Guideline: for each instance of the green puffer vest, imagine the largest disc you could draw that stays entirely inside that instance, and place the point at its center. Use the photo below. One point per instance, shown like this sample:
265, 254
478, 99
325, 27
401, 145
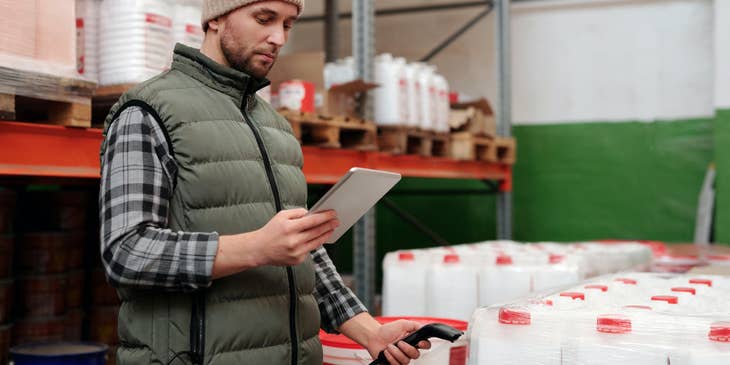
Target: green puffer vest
236, 169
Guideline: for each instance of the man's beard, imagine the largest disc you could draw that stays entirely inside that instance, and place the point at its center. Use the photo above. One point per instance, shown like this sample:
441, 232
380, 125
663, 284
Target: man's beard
238, 60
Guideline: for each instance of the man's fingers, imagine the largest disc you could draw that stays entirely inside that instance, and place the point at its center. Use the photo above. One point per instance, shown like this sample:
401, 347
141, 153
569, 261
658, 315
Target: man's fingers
398, 355
310, 221
409, 350
317, 231
390, 358
424, 345
294, 213
318, 241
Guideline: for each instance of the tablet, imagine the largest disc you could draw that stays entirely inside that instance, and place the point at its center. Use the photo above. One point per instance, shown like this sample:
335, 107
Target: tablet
352, 196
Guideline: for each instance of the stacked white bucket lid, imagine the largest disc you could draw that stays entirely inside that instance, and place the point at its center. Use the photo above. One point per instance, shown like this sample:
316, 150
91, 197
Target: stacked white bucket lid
186, 23
87, 38
627, 318
452, 281
136, 40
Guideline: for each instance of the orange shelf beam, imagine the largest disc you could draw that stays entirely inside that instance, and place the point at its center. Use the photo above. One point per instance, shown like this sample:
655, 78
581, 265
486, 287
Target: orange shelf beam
54, 151
49, 150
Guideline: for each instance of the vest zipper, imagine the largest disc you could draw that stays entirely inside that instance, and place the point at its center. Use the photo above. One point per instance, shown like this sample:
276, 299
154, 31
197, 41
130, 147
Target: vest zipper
277, 203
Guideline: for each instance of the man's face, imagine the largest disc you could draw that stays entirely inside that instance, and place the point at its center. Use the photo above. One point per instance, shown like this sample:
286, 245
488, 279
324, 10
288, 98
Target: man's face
253, 35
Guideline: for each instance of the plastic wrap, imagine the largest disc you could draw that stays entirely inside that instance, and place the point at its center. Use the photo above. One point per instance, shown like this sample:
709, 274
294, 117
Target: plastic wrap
186, 22
627, 318
136, 40
452, 281
87, 38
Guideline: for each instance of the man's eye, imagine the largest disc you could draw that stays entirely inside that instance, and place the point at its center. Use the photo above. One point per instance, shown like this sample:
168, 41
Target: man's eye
288, 26
263, 20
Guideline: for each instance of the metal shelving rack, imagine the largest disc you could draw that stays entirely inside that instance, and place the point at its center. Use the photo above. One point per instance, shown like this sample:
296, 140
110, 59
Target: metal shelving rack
40, 152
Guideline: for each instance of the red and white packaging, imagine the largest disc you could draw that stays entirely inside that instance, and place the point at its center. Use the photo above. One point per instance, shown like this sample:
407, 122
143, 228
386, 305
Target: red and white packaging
297, 95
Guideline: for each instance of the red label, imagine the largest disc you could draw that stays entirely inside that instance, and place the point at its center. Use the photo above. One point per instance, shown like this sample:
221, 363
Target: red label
159, 20
79, 22
457, 356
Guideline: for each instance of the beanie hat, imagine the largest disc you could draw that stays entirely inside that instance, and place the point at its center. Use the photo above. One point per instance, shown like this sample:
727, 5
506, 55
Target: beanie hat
215, 8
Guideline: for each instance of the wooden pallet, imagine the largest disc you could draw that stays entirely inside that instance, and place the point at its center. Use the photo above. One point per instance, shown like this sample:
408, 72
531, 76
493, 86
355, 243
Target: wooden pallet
506, 150
401, 140
332, 131
466, 146
104, 98
35, 97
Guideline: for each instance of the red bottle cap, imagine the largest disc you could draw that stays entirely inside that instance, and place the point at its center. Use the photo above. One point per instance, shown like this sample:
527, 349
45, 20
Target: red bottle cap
626, 281
720, 332
451, 258
573, 295
692, 291
671, 299
613, 323
504, 260
602, 288
514, 316
406, 256
707, 282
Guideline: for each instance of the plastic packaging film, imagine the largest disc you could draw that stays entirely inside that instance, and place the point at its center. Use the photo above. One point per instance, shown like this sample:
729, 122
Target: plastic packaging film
626, 318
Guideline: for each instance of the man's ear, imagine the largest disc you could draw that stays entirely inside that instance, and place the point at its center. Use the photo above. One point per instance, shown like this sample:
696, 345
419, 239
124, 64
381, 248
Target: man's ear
216, 24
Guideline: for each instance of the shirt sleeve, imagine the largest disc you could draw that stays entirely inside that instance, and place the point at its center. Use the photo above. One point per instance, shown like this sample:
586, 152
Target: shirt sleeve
137, 180
337, 303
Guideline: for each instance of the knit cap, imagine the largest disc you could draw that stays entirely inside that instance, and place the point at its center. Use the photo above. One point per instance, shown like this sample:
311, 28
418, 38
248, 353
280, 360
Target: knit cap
215, 8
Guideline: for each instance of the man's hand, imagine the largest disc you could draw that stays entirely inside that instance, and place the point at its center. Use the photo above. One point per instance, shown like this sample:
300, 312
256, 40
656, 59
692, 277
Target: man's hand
285, 240
401, 353
290, 235
376, 337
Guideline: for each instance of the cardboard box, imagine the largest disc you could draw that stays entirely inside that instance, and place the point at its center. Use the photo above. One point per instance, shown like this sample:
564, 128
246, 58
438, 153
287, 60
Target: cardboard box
475, 117
339, 100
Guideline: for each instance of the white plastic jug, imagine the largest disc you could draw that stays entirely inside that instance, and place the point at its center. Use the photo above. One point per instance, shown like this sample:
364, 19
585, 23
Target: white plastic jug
414, 95
503, 281
615, 339
514, 336
712, 348
404, 284
390, 77
424, 75
451, 288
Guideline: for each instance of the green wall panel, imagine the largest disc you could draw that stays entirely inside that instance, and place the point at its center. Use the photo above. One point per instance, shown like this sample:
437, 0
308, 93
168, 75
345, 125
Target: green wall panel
628, 180
722, 180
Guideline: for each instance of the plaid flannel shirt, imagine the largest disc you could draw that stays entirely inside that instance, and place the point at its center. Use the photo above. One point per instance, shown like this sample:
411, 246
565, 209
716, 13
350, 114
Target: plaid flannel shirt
138, 250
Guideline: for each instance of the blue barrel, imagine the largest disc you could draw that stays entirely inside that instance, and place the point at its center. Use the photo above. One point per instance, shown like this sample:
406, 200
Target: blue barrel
59, 353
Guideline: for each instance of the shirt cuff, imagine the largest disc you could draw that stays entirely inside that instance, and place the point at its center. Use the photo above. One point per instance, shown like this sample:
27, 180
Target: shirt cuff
338, 307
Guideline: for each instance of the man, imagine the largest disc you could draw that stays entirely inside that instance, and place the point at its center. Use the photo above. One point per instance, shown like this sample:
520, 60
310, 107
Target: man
203, 230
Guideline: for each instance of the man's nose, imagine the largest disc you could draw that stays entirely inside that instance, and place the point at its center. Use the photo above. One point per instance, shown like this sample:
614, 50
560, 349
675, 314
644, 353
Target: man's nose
277, 37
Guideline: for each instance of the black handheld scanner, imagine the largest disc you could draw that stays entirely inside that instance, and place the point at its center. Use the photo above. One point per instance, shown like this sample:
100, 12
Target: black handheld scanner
438, 330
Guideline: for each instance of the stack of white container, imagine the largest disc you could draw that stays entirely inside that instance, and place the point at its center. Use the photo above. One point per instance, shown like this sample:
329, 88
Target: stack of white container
409, 94
630, 318
87, 38
450, 282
